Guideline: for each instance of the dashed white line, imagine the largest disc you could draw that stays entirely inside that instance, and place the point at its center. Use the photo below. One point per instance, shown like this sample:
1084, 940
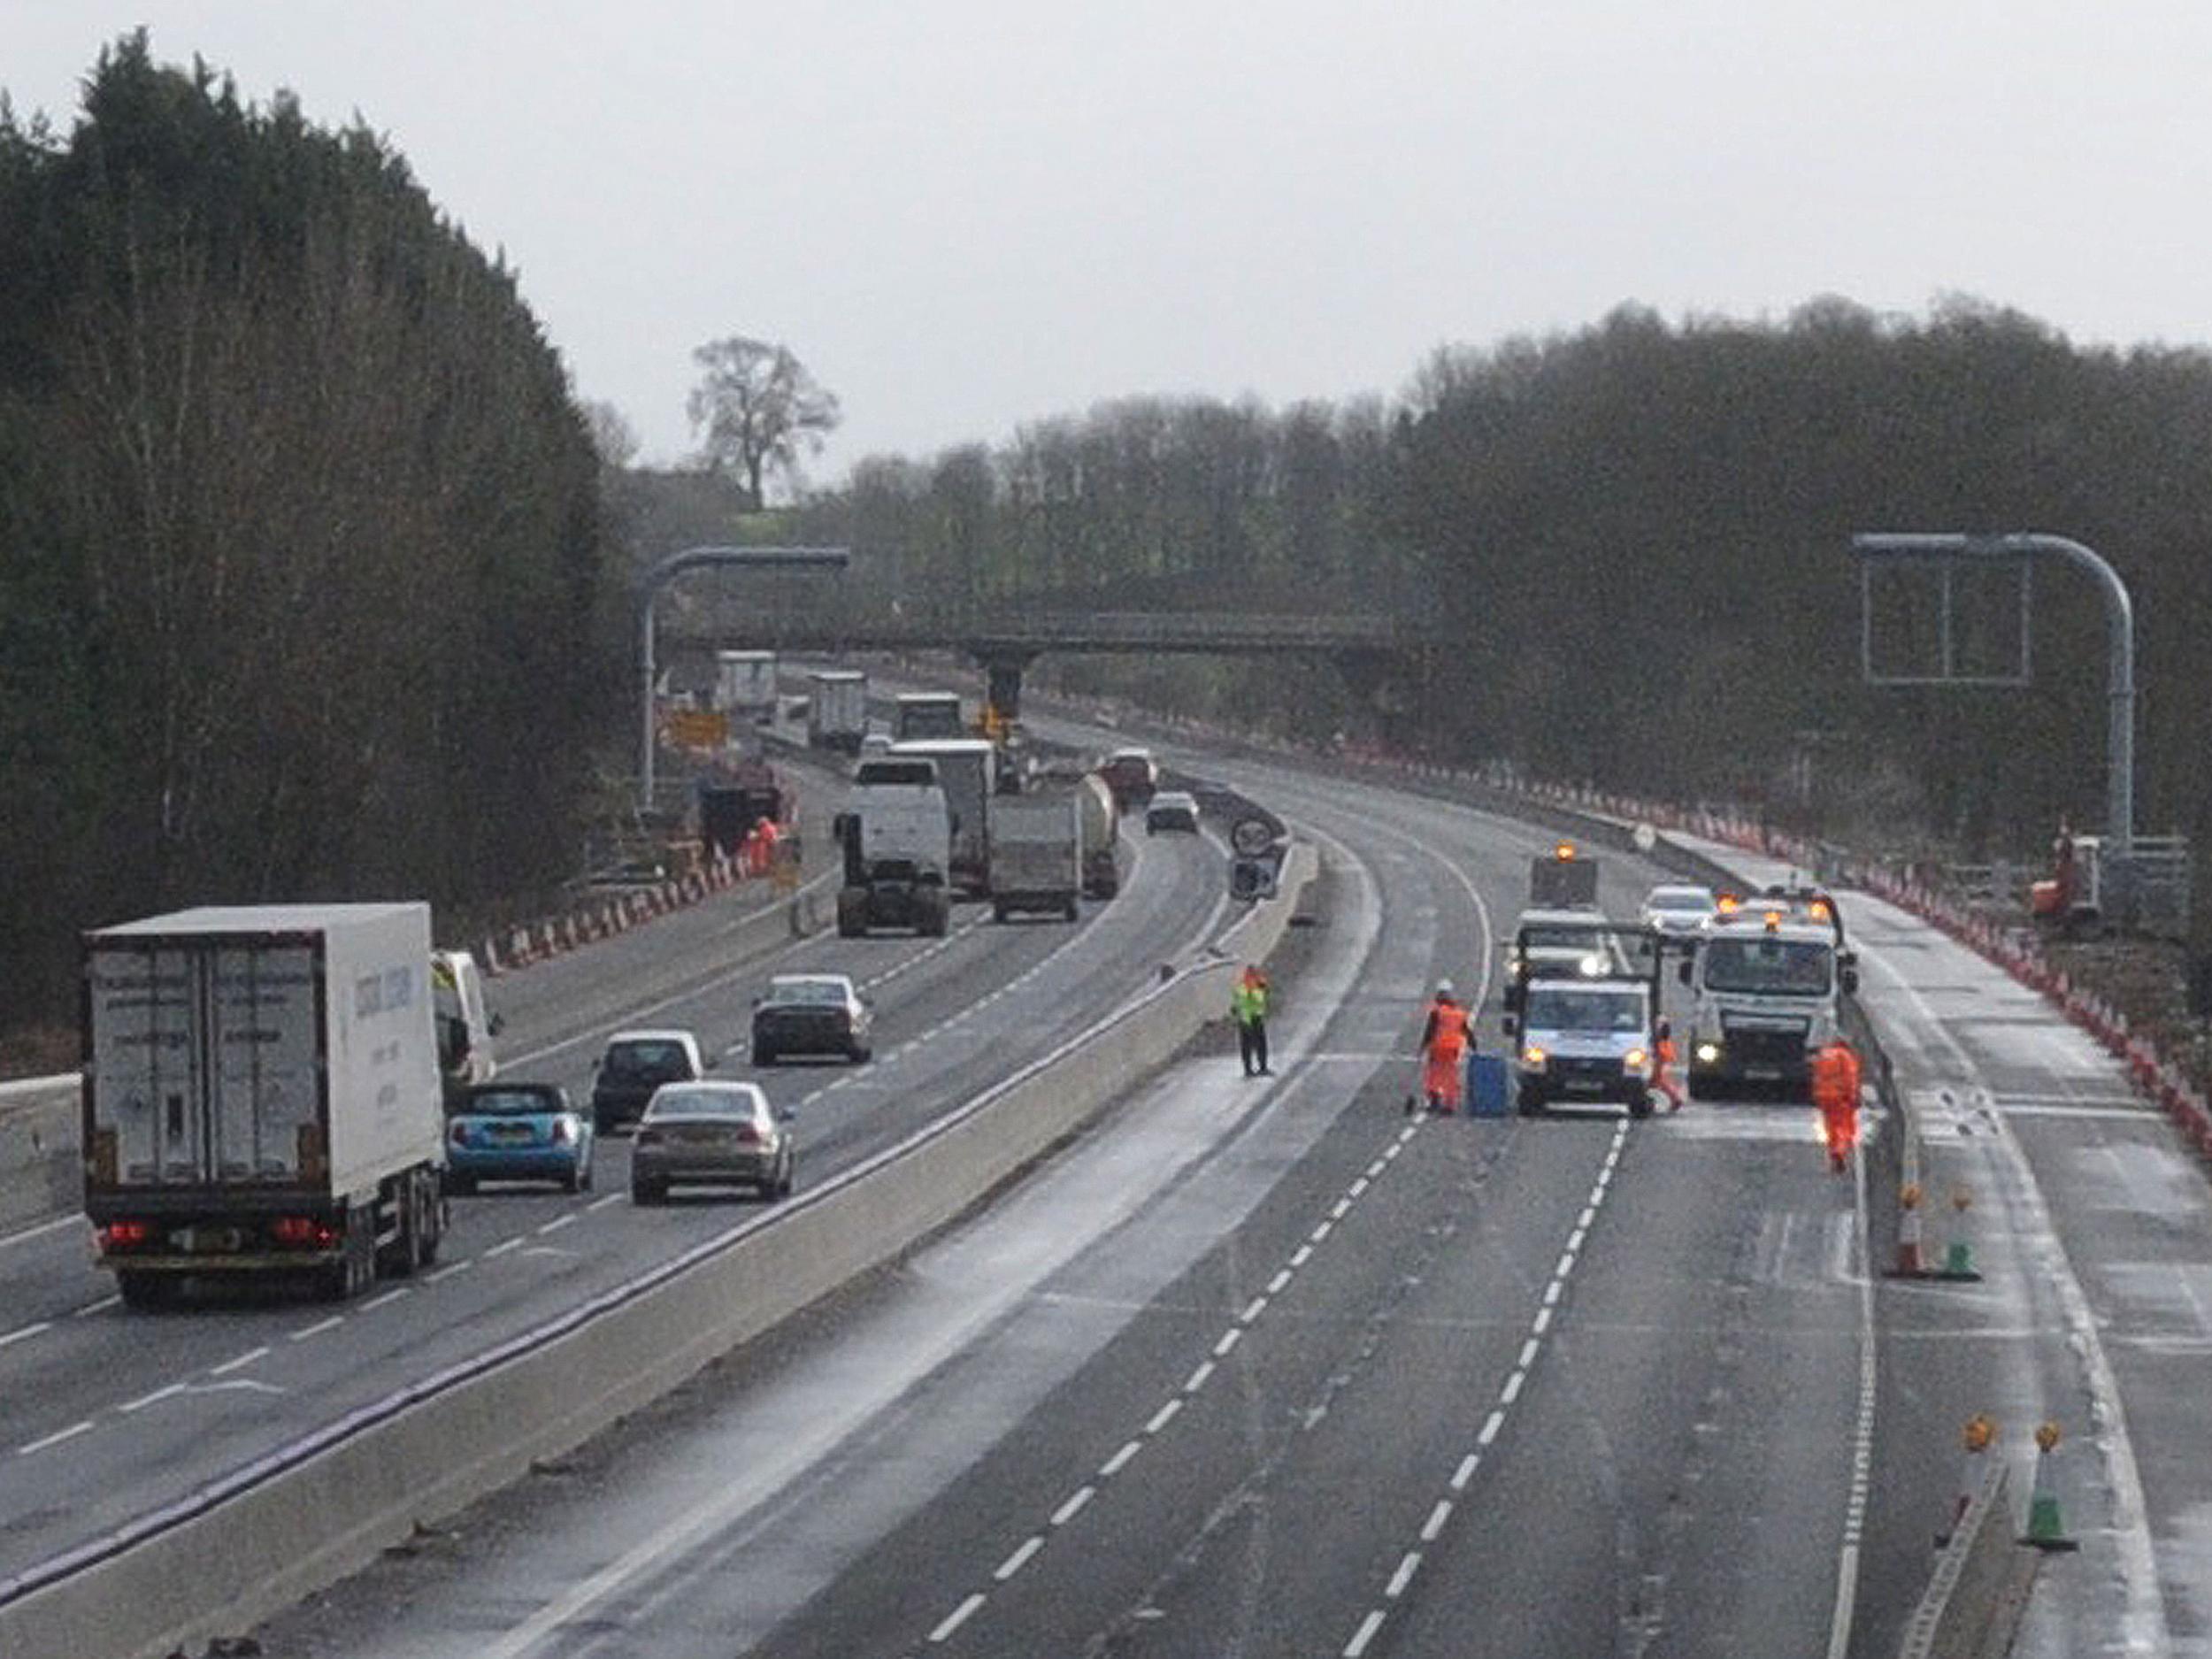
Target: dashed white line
449, 1270
155, 1398
1253, 1311
1528, 1353
1165, 1415
23, 1331
1300, 1256
502, 1246
1336, 1210
1274, 1286
54, 1439
1543, 1319
1228, 1341
1073, 1506
240, 1364
1368, 1626
1321, 1231
375, 1302
1434, 1528
955, 1619
1403, 1576
1019, 1559
1512, 1389
1361, 1186
331, 1323
558, 1222
1465, 1472
1566, 1266
1490, 1424
1119, 1461
601, 1203
1198, 1378
101, 1306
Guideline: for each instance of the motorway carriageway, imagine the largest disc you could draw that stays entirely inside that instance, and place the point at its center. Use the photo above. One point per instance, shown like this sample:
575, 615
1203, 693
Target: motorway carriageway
1261, 1367
105, 1413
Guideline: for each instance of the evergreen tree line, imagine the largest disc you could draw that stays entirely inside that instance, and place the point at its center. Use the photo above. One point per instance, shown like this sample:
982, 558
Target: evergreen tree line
1631, 547
301, 585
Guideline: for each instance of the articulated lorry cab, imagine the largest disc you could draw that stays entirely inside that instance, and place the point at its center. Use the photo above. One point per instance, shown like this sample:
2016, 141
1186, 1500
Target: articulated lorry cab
262, 1094
896, 837
1767, 985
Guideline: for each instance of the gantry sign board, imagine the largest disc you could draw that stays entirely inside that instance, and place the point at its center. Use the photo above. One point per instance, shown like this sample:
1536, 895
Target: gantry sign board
1959, 617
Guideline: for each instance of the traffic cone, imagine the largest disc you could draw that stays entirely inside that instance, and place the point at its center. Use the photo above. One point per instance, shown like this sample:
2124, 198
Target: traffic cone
1958, 1259
1980, 1434
2045, 1529
1910, 1263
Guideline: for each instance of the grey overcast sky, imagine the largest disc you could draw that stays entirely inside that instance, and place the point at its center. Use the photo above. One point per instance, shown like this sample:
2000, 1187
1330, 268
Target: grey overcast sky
965, 215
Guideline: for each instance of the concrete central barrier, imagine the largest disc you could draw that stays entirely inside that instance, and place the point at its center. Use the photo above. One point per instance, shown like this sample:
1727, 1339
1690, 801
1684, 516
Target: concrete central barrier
262, 1538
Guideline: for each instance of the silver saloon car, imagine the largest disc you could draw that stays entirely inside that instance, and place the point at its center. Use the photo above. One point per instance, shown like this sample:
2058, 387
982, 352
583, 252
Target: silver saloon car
710, 1133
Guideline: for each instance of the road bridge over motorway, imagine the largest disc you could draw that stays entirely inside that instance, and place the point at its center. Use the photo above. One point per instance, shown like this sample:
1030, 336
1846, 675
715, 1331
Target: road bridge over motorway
1363, 647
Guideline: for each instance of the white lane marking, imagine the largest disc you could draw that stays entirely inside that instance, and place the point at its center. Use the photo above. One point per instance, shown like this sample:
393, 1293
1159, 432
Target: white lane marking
375, 1302
22, 1331
42, 1230
1253, 1311
1406, 1568
1165, 1415
155, 1398
2146, 1628
502, 1246
101, 1306
1360, 1186
1198, 1378
1465, 1472
1528, 1353
449, 1270
601, 1203
331, 1323
1275, 1284
1433, 1528
558, 1222
1861, 1439
1119, 1461
54, 1439
1321, 1231
1357, 1645
240, 1364
1543, 1319
1512, 1390
1490, 1426
1337, 1209
1300, 1256
955, 1619
1019, 1559
1228, 1341
1073, 1506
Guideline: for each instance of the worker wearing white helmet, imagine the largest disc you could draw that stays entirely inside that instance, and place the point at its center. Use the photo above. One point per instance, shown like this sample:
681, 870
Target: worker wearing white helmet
1446, 1039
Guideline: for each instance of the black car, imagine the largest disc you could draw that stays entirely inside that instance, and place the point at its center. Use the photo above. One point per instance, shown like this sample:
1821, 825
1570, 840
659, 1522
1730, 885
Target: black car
635, 1064
810, 1013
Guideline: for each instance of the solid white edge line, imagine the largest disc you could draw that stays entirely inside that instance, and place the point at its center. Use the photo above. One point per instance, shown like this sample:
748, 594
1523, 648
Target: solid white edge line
1863, 1439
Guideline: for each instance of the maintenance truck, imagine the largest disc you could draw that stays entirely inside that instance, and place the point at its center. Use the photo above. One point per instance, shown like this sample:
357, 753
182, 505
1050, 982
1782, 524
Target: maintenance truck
921, 716
261, 1094
837, 710
1767, 987
896, 833
1036, 853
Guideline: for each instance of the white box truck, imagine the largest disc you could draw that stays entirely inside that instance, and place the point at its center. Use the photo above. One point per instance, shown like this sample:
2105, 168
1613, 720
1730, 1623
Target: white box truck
261, 1092
745, 686
921, 716
1036, 853
966, 769
896, 835
837, 710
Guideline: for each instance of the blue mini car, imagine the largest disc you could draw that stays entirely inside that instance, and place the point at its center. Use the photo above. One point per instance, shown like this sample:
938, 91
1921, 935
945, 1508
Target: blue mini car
517, 1132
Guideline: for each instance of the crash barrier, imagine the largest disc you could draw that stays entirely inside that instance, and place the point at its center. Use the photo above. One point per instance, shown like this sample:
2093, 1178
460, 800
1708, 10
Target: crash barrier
527, 943
1980, 1585
260, 1539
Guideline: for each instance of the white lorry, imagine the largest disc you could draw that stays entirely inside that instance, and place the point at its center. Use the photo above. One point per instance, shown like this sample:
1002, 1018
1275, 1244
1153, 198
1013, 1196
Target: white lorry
1767, 987
261, 1092
1036, 853
923, 715
465, 1025
837, 710
966, 769
896, 837
745, 686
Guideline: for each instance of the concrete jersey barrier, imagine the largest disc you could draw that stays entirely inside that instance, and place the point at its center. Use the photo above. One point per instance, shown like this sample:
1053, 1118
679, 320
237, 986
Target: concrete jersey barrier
259, 1539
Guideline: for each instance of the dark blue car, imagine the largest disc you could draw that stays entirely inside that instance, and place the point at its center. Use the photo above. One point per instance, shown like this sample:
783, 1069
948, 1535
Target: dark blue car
517, 1132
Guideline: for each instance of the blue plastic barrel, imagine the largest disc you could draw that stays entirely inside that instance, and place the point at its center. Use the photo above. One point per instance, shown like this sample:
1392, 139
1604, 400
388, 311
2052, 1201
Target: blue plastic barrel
1488, 1094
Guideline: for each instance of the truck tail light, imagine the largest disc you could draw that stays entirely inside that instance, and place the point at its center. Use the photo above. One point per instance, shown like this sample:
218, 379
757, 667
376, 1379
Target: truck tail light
126, 1235
303, 1233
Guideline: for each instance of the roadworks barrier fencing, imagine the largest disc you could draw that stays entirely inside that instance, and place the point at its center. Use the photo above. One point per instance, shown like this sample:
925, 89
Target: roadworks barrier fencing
263, 1537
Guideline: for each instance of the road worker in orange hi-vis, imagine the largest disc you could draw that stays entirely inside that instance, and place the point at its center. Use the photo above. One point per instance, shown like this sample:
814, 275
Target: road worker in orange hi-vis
1663, 1072
1836, 1079
1445, 1041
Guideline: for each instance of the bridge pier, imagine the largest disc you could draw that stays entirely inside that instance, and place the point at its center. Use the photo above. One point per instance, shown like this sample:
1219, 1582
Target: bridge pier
1004, 667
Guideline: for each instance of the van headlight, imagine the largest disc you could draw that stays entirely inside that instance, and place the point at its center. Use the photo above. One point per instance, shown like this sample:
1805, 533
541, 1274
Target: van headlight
1533, 1058
1707, 1052
1636, 1060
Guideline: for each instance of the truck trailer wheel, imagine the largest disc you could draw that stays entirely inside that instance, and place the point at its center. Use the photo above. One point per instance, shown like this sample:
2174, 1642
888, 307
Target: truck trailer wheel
852, 913
936, 913
1639, 1103
145, 1292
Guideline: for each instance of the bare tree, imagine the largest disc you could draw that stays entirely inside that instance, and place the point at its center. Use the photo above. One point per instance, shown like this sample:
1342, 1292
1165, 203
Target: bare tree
756, 404
612, 436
